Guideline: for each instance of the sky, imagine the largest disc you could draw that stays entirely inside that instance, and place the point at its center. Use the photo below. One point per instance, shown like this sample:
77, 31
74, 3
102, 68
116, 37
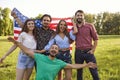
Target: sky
61, 8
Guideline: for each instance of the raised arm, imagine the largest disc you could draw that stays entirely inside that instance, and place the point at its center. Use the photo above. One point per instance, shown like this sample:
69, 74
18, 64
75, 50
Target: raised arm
13, 14
75, 30
8, 53
40, 51
78, 66
22, 47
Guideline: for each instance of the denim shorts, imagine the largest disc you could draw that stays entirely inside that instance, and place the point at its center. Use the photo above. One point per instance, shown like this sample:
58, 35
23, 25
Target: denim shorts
64, 56
24, 61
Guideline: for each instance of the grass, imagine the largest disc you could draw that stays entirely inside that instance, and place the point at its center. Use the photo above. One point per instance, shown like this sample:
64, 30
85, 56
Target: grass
107, 55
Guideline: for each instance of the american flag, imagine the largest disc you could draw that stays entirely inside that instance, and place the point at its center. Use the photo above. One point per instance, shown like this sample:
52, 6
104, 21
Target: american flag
53, 24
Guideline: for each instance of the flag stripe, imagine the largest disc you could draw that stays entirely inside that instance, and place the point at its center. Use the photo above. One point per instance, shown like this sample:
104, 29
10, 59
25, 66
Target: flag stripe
55, 23
61, 18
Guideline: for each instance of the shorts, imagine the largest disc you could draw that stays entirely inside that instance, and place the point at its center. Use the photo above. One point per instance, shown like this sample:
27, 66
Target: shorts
25, 61
64, 56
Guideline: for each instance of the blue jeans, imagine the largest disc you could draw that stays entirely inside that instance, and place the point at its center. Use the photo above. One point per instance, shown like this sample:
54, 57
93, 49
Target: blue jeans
80, 57
64, 56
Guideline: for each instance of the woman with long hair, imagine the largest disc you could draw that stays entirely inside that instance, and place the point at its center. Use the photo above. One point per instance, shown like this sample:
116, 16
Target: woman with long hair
25, 63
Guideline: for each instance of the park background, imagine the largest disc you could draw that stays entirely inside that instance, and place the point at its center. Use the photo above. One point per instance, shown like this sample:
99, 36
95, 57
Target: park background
106, 20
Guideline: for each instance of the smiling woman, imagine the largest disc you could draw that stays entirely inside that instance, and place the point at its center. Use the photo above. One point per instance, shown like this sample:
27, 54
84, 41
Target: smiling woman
27, 38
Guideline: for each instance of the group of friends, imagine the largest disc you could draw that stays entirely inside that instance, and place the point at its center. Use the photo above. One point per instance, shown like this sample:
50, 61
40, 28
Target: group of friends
49, 50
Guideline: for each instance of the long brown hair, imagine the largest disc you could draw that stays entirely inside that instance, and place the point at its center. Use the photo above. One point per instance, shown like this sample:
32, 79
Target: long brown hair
25, 28
65, 31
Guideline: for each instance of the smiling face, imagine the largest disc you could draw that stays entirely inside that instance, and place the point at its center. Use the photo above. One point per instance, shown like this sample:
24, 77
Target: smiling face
54, 50
62, 26
79, 17
46, 21
30, 25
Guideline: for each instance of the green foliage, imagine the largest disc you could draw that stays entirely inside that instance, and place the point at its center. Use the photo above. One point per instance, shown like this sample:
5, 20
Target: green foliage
39, 16
89, 18
107, 55
109, 23
5, 22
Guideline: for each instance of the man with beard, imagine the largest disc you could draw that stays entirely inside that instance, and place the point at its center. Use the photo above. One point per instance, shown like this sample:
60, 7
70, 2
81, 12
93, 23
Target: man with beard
84, 50
48, 66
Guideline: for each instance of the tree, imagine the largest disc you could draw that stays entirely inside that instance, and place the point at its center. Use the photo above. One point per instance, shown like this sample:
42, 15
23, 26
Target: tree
111, 23
0, 21
39, 16
98, 22
116, 23
89, 18
6, 22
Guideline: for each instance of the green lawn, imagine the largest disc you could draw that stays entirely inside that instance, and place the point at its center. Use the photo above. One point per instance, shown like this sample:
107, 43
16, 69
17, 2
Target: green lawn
107, 55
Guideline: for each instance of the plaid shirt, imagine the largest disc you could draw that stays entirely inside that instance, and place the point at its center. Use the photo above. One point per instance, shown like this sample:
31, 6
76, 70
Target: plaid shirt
43, 37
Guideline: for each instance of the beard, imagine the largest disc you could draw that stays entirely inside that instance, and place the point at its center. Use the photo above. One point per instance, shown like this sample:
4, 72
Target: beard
45, 25
79, 20
52, 55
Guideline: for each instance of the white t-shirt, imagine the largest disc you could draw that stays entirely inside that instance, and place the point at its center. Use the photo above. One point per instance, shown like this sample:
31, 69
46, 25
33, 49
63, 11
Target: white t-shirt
27, 40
